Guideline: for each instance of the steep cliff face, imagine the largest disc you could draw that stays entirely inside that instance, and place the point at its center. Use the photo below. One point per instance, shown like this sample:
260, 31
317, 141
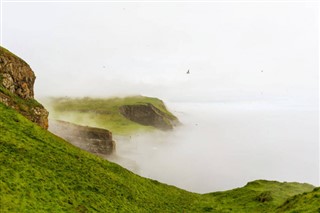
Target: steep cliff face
94, 140
16, 88
147, 114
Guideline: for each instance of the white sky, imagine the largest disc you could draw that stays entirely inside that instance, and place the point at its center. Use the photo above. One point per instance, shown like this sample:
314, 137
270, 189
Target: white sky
106, 49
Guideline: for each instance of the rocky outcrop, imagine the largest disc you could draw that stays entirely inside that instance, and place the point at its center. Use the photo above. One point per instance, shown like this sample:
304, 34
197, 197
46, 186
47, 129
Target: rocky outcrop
16, 74
16, 88
94, 140
149, 115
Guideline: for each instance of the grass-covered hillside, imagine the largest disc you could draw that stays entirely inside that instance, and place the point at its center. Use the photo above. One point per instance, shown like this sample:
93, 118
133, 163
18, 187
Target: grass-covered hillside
306, 202
40, 172
256, 196
102, 112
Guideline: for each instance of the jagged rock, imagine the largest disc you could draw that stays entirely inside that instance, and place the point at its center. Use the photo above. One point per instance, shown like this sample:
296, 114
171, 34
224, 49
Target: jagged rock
40, 116
149, 115
94, 140
17, 76
16, 82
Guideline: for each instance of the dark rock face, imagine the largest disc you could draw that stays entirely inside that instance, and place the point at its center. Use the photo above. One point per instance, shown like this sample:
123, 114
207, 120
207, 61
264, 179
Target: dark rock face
147, 114
17, 76
18, 79
94, 140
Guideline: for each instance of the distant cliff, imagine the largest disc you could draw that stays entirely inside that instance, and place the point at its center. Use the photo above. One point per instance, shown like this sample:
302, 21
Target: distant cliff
122, 116
94, 140
149, 115
16, 88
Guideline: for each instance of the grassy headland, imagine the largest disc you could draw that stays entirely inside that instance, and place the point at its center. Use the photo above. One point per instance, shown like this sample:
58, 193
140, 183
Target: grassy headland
102, 112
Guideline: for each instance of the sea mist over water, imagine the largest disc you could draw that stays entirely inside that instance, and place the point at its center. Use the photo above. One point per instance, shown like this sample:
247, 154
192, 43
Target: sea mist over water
223, 145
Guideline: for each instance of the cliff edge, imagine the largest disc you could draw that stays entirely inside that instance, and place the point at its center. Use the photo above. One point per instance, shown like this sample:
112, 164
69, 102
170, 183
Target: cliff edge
95, 140
16, 88
149, 115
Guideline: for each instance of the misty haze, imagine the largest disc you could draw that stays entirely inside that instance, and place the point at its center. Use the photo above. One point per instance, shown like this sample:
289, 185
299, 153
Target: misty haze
242, 78
224, 145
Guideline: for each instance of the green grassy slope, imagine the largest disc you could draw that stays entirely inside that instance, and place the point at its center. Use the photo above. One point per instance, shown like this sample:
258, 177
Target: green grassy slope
40, 172
306, 202
103, 113
256, 196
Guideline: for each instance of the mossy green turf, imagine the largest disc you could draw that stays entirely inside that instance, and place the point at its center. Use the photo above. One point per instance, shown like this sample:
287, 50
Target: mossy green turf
102, 112
40, 172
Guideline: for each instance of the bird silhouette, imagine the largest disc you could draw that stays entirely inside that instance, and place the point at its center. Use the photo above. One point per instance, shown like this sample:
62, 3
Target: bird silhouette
188, 72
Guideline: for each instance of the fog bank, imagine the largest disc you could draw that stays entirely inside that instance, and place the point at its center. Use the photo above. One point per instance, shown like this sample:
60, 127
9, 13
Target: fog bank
225, 145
